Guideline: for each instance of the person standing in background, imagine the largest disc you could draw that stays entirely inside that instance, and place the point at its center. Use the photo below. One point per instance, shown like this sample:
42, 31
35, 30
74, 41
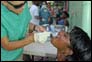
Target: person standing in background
34, 11
44, 14
63, 19
50, 9
52, 12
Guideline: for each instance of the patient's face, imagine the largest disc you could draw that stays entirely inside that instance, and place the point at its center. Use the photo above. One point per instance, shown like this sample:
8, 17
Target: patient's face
62, 42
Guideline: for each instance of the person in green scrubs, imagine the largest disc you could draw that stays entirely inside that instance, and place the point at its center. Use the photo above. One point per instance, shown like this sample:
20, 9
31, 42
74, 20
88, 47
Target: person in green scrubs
15, 18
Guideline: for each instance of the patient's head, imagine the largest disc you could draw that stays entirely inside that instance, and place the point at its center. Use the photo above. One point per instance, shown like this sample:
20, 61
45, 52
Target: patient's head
79, 42
62, 43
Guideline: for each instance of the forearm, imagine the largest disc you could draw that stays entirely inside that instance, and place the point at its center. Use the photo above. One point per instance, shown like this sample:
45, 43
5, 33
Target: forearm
12, 45
18, 44
31, 27
34, 27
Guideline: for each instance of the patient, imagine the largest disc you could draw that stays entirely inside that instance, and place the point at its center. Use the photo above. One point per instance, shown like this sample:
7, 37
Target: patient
75, 46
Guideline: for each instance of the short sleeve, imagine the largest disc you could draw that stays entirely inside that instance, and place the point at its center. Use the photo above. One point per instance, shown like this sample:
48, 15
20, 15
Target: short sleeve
3, 32
29, 17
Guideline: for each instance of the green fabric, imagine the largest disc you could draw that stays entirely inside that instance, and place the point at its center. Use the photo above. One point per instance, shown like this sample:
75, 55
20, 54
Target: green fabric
14, 27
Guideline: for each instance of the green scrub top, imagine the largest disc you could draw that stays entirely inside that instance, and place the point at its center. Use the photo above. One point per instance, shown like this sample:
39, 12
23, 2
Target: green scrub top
15, 28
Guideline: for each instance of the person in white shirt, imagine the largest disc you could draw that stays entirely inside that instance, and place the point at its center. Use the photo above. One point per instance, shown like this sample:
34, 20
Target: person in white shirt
34, 11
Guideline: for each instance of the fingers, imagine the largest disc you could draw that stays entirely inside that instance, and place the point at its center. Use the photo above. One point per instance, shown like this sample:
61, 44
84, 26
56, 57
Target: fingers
41, 29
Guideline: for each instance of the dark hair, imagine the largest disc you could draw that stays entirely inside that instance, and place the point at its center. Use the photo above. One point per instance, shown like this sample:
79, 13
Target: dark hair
81, 45
66, 13
37, 3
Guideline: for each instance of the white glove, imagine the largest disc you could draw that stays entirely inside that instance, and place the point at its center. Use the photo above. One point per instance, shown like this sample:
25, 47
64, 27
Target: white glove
41, 37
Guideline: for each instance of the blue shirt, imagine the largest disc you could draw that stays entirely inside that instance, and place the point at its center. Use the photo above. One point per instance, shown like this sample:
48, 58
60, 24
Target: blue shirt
44, 13
61, 22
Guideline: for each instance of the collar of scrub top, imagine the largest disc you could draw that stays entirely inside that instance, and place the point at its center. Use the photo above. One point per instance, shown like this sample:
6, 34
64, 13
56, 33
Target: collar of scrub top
17, 6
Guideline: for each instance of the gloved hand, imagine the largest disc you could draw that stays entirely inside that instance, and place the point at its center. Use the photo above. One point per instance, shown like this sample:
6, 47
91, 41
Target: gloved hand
41, 37
40, 29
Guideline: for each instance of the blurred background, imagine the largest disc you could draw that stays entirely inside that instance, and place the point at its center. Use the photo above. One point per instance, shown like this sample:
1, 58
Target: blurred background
79, 11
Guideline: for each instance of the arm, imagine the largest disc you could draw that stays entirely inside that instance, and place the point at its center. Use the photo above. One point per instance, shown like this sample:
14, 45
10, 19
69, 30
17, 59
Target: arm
16, 44
33, 27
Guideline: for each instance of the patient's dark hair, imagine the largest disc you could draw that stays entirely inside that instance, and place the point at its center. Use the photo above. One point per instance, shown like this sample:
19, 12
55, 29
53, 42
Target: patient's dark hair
81, 45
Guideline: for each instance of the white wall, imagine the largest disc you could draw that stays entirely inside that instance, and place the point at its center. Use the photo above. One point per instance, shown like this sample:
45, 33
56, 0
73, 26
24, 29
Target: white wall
80, 15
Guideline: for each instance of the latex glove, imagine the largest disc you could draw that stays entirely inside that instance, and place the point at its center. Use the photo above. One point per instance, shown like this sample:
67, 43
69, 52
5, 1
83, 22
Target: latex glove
41, 37
40, 28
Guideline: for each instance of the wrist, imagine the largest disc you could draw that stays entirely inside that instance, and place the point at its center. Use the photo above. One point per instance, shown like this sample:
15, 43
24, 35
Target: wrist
30, 38
34, 28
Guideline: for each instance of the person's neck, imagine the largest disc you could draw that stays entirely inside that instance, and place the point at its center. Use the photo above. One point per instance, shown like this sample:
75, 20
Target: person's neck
9, 7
